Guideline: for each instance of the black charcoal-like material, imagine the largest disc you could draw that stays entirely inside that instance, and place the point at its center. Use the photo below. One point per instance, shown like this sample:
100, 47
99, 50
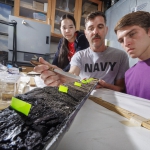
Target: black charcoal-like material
49, 112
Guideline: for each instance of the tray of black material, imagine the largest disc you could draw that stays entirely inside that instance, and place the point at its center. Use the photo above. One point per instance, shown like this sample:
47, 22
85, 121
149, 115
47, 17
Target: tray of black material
50, 117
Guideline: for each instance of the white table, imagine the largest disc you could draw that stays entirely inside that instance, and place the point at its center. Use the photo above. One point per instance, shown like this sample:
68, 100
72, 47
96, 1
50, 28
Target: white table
97, 128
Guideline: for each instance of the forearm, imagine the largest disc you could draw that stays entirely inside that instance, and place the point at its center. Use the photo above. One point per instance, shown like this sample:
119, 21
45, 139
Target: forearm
74, 70
119, 88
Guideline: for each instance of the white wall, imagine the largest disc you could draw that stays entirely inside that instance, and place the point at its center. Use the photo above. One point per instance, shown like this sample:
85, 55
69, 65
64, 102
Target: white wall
118, 10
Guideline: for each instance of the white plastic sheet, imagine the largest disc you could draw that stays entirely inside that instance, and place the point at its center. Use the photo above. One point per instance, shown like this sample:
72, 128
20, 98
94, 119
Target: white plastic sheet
97, 128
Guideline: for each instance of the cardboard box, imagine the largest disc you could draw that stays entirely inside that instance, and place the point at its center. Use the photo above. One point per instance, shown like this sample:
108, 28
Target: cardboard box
88, 7
26, 4
39, 16
45, 7
38, 5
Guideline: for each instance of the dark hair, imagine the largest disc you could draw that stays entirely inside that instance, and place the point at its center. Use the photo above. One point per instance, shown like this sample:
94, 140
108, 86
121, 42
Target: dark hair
63, 54
67, 16
139, 18
94, 14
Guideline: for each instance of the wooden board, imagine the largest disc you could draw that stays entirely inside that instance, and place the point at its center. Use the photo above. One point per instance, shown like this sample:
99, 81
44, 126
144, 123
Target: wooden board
144, 122
27, 69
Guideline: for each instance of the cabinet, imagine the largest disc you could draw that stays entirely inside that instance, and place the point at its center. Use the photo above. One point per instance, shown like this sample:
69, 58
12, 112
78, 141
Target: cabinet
85, 7
35, 10
78, 8
55, 9
59, 8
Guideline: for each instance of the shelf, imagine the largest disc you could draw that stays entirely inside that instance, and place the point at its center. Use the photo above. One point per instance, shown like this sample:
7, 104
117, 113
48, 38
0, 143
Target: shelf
56, 23
28, 14
32, 19
68, 12
55, 37
33, 9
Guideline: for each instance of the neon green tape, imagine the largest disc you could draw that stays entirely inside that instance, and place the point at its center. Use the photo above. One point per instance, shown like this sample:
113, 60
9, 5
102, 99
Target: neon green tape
77, 84
84, 81
63, 89
20, 106
90, 79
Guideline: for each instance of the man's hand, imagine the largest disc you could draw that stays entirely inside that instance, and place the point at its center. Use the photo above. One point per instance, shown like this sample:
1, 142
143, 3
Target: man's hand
50, 78
101, 84
118, 86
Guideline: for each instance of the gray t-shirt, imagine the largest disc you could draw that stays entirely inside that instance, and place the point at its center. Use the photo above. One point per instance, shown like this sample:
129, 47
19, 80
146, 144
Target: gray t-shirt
109, 65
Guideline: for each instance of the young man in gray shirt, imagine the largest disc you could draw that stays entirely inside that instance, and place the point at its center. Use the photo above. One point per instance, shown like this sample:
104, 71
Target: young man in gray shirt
98, 61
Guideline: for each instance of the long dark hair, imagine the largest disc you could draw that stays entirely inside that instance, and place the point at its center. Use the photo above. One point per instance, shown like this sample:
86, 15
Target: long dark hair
63, 54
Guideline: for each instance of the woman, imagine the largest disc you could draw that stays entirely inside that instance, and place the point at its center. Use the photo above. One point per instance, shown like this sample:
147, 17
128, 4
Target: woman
71, 42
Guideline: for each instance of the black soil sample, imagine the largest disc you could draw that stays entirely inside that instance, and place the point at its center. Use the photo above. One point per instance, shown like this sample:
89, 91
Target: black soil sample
50, 111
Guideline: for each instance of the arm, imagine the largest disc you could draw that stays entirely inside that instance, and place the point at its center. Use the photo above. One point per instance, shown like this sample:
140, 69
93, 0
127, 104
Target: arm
75, 70
81, 42
55, 60
119, 85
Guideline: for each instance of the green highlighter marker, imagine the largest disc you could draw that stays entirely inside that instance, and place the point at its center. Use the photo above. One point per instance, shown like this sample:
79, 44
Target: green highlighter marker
90, 79
20, 106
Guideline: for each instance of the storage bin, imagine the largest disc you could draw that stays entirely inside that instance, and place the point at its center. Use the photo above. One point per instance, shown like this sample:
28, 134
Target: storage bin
38, 5
39, 16
26, 4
